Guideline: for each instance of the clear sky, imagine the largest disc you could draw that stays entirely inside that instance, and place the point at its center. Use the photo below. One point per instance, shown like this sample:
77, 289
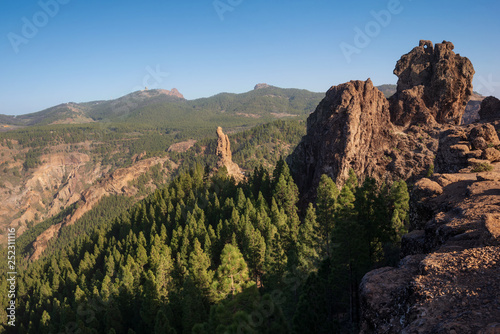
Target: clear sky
57, 51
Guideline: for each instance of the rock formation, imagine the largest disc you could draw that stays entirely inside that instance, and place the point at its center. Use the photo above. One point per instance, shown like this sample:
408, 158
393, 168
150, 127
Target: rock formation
447, 281
350, 129
490, 109
56, 182
173, 92
261, 85
434, 85
224, 156
356, 127
461, 149
116, 183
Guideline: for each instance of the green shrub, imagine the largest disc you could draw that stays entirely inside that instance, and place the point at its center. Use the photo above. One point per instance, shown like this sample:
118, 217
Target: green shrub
430, 171
482, 167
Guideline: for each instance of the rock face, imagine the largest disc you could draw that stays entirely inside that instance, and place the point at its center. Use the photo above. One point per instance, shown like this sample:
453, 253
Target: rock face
350, 129
57, 181
224, 156
490, 109
173, 92
434, 85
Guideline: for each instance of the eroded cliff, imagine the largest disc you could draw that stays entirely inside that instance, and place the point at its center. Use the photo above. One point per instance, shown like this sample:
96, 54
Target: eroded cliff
119, 182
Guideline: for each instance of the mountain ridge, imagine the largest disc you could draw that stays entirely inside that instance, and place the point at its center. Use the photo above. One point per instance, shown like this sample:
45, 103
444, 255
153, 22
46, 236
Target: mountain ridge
99, 110
114, 109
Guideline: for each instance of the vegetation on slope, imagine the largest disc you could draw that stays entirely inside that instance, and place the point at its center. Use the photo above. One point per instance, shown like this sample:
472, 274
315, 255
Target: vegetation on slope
205, 255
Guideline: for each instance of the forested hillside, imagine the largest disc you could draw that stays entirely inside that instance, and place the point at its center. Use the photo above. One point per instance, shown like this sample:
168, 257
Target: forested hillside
206, 255
47, 165
263, 144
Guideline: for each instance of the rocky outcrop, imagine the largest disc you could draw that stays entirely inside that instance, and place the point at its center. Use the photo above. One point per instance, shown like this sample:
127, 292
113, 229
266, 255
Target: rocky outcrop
224, 156
490, 109
40, 193
356, 127
447, 281
350, 129
461, 149
182, 146
174, 92
261, 85
434, 85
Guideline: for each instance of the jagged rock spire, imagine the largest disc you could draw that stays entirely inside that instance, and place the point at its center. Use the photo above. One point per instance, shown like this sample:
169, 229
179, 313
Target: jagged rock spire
224, 156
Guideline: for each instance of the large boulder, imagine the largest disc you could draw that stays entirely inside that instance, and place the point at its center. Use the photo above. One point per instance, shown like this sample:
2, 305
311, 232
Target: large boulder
459, 146
434, 85
490, 109
484, 134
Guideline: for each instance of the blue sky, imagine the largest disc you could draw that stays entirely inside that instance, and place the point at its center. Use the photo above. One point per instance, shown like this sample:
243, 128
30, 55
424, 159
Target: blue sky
89, 50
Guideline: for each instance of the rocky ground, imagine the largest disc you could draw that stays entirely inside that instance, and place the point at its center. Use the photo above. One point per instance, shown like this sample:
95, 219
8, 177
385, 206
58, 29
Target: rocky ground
448, 280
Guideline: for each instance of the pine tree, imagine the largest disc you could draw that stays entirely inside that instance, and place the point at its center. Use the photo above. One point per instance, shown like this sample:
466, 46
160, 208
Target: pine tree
370, 212
254, 247
45, 323
199, 262
349, 249
149, 302
232, 274
326, 202
162, 323
276, 260
309, 242
194, 305
400, 199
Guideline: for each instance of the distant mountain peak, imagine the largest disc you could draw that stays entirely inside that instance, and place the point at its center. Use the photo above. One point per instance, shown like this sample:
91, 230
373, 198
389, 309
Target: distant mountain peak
261, 85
